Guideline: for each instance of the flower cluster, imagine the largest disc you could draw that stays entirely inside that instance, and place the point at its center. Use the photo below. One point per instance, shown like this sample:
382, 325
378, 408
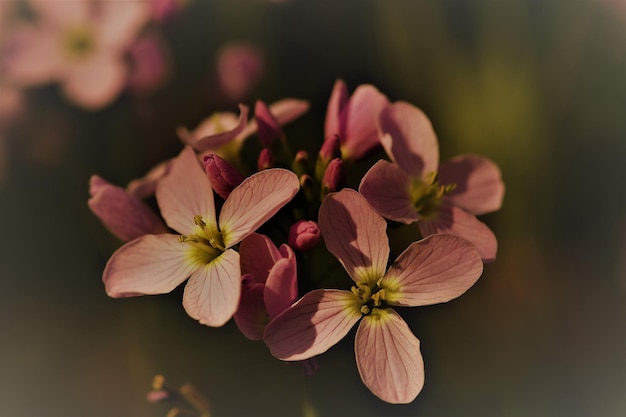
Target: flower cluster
246, 233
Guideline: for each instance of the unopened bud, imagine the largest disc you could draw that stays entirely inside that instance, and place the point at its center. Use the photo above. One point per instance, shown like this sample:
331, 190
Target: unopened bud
266, 159
223, 176
334, 177
304, 235
308, 187
330, 150
300, 162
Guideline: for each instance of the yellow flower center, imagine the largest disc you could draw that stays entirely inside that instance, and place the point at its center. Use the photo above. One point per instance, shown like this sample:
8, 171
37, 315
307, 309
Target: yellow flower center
78, 42
427, 193
370, 296
207, 243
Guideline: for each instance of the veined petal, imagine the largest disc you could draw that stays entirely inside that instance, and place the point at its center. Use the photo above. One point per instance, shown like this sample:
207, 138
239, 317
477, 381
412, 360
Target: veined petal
217, 140
361, 134
333, 124
212, 293
255, 201
456, 221
258, 256
433, 270
386, 187
312, 325
355, 234
388, 357
124, 215
409, 138
281, 288
186, 192
151, 264
479, 187
251, 316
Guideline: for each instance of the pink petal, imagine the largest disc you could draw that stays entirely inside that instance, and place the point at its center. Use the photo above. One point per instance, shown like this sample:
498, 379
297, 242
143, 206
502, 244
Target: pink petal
433, 270
479, 187
281, 288
146, 186
388, 357
409, 138
284, 111
386, 187
61, 14
124, 215
251, 316
30, 56
96, 81
184, 193
267, 125
255, 201
212, 293
119, 23
216, 123
338, 100
355, 234
455, 221
96, 183
258, 256
361, 134
313, 325
151, 264
217, 140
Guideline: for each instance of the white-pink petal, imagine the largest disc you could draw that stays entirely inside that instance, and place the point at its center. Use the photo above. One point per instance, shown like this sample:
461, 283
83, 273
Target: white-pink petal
433, 270
212, 293
456, 221
119, 23
151, 264
388, 357
281, 288
355, 234
479, 187
184, 193
408, 138
258, 256
312, 325
255, 201
214, 141
333, 125
386, 187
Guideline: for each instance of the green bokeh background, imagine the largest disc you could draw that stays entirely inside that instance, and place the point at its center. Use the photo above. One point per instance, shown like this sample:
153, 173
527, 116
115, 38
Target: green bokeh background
537, 86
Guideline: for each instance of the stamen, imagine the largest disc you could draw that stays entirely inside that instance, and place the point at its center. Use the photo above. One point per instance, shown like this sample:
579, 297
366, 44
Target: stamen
197, 219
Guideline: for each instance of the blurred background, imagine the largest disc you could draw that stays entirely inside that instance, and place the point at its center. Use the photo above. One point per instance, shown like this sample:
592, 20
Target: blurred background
539, 87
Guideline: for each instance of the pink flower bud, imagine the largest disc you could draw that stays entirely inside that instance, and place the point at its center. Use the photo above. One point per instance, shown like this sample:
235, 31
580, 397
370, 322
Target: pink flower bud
334, 177
266, 160
330, 150
304, 235
223, 176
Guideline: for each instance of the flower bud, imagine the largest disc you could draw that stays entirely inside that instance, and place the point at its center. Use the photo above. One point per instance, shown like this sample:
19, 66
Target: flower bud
334, 177
304, 235
223, 176
266, 159
330, 150
300, 162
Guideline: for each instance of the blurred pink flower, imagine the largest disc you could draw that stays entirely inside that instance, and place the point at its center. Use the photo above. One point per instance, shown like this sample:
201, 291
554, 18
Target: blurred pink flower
79, 44
269, 283
162, 9
239, 68
433, 270
156, 264
353, 119
149, 63
443, 199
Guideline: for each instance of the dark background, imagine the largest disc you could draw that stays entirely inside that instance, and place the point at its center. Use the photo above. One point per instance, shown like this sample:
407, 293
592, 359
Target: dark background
537, 86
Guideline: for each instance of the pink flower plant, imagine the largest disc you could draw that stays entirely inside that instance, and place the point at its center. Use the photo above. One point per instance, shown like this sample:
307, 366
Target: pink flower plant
79, 44
442, 199
434, 270
156, 264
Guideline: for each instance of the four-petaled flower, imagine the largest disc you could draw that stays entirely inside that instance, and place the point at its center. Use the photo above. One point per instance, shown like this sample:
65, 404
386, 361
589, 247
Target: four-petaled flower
443, 199
156, 264
433, 270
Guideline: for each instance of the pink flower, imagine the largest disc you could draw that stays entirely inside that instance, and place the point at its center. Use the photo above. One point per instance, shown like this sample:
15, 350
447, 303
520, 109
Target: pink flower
239, 68
124, 214
304, 235
269, 283
353, 119
150, 63
444, 199
433, 270
79, 44
156, 264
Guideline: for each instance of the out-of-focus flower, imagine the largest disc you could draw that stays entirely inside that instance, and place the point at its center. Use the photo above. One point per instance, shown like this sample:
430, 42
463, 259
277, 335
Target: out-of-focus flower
353, 119
443, 199
203, 252
239, 68
124, 214
79, 44
434, 270
149, 63
163, 9
223, 176
269, 283
304, 235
